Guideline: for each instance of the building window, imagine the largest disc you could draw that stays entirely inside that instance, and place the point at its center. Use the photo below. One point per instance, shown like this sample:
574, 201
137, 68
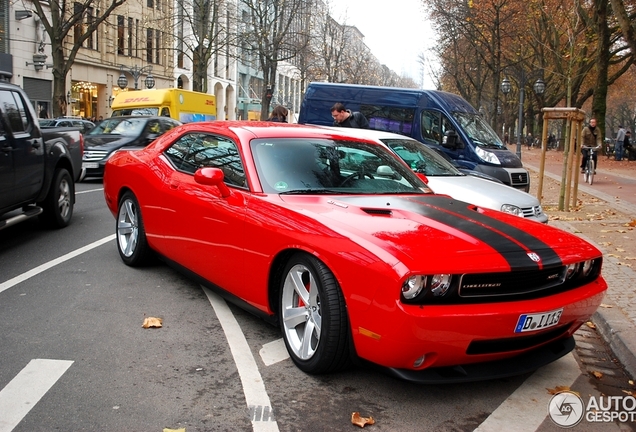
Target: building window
158, 46
130, 37
149, 39
77, 29
150, 4
90, 42
121, 35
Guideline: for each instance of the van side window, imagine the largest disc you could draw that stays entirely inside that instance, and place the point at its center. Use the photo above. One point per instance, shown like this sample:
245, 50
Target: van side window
434, 126
165, 112
387, 118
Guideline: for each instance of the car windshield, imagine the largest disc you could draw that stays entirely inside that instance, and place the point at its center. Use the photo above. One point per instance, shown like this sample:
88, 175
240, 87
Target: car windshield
479, 131
323, 166
47, 123
145, 111
118, 126
420, 158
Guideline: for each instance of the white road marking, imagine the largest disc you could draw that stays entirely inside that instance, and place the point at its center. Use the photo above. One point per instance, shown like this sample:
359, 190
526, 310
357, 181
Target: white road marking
89, 190
41, 268
27, 388
274, 352
258, 403
528, 405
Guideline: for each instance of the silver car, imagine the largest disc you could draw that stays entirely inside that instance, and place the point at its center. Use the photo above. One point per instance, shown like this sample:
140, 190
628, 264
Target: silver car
445, 179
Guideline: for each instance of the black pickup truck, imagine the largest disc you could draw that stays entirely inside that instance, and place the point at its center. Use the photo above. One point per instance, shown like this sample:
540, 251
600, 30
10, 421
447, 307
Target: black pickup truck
38, 168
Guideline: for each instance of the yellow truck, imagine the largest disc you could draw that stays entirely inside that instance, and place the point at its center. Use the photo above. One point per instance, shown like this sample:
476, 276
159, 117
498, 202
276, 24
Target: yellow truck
183, 105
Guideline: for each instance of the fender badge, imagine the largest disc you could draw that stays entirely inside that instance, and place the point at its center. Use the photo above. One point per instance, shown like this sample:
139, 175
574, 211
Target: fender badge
534, 257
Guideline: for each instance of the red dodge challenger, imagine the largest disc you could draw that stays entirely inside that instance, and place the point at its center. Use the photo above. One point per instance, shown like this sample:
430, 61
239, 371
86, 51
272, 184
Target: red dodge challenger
337, 241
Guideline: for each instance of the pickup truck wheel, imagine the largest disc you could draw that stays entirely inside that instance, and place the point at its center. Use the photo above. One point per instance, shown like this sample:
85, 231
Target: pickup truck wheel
131, 235
58, 204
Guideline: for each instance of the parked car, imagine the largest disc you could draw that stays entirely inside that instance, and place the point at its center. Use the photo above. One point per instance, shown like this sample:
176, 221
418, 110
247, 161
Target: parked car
114, 133
444, 178
83, 125
304, 227
38, 167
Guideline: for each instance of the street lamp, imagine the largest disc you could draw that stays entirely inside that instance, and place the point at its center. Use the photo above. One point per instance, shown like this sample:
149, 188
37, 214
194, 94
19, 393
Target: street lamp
136, 72
506, 86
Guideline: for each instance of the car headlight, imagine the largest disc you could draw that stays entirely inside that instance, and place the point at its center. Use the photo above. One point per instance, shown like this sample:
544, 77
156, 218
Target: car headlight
413, 286
587, 267
512, 209
436, 285
487, 156
571, 270
440, 284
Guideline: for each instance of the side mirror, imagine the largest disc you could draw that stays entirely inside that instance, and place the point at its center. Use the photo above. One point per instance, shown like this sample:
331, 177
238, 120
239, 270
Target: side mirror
212, 177
422, 177
451, 140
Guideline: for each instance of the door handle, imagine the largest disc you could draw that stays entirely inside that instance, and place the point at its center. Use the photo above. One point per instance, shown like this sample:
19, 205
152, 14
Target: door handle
6, 149
36, 143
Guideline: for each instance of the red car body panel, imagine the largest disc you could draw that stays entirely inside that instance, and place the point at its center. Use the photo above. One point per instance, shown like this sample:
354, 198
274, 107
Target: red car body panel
233, 242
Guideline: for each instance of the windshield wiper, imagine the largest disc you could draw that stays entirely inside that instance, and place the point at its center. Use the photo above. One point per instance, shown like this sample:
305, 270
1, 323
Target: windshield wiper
314, 191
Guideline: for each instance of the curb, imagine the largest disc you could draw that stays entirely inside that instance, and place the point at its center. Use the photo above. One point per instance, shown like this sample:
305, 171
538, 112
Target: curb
618, 331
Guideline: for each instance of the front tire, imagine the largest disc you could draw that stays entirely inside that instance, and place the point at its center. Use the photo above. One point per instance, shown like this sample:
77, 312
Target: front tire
131, 236
313, 316
58, 204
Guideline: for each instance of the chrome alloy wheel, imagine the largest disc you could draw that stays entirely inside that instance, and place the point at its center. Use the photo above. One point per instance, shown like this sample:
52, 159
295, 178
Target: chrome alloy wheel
64, 199
301, 313
128, 227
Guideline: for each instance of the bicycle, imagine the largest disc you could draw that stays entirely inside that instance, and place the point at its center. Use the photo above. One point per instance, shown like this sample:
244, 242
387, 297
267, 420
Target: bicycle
589, 167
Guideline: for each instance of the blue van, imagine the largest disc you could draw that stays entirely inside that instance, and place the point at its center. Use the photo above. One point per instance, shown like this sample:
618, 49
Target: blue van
441, 120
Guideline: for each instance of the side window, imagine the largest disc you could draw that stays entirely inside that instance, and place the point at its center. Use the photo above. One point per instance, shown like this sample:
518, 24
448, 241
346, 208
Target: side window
446, 125
13, 111
165, 112
199, 150
386, 118
167, 125
431, 127
153, 127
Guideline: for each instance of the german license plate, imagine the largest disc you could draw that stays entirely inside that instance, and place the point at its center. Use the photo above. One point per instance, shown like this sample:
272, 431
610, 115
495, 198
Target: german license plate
90, 165
540, 321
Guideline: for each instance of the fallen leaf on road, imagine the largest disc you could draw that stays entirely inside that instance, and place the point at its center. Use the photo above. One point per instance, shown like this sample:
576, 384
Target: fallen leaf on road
606, 231
590, 324
358, 420
629, 392
620, 250
598, 375
603, 305
174, 430
152, 322
614, 255
631, 223
630, 258
559, 389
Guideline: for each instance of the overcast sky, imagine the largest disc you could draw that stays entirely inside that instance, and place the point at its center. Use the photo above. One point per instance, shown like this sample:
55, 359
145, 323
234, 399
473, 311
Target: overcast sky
396, 32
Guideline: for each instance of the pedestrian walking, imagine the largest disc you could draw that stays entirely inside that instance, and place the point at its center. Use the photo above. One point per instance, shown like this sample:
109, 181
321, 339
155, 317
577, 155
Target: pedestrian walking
620, 141
346, 118
591, 138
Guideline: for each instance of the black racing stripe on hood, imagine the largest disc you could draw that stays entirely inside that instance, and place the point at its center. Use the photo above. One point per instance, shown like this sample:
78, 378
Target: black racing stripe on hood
512, 243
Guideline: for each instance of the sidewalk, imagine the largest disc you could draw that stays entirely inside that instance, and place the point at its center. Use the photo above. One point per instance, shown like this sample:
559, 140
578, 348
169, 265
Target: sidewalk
616, 318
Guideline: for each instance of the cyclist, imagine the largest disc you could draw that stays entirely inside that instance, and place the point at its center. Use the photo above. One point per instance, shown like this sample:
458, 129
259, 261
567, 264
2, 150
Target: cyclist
591, 138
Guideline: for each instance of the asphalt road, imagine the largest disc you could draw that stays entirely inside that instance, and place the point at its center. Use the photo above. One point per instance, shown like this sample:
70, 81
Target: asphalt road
67, 299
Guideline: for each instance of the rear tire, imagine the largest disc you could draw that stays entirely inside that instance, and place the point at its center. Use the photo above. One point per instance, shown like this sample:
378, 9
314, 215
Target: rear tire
131, 236
58, 204
313, 316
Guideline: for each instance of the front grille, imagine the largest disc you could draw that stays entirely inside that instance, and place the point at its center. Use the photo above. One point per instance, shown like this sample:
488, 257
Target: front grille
94, 155
516, 343
532, 211
512, 283
518, 178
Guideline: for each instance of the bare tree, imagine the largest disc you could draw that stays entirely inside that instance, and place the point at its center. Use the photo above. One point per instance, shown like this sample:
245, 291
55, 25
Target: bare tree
77, 17
275, 34
205, 30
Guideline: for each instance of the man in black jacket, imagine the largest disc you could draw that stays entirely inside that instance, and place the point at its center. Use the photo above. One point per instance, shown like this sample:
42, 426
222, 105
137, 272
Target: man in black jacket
345, 118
